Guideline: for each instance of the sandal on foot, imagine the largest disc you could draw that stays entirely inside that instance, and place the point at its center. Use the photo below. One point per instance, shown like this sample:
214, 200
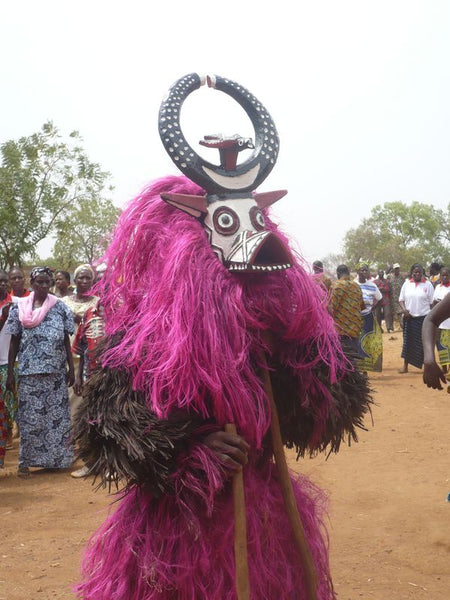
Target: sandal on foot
83, 472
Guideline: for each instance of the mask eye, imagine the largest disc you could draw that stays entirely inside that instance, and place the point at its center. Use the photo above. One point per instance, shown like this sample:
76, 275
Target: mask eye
226, 221
257, 218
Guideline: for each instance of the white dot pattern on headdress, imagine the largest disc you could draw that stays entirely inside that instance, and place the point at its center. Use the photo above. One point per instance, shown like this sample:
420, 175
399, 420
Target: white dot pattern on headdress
266, 143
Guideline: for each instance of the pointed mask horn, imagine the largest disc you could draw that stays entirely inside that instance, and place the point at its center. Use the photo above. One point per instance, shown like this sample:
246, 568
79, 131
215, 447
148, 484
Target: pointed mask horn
268, 198
193, 205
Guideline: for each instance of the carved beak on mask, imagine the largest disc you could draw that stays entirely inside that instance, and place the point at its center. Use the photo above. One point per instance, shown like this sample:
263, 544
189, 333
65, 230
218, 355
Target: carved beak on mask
237, 231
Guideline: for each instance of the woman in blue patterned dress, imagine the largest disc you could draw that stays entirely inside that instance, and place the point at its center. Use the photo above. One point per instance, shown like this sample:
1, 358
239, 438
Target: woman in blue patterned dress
40, 326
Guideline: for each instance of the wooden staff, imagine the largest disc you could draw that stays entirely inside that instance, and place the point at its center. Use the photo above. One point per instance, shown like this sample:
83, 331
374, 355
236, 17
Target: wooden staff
240, 531
287, 490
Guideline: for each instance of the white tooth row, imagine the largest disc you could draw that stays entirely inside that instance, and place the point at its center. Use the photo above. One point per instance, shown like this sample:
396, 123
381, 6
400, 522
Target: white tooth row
243, 267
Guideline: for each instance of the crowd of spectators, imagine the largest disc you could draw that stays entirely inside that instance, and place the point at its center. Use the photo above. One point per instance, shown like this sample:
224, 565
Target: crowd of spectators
47, 334
365, 305
49, 331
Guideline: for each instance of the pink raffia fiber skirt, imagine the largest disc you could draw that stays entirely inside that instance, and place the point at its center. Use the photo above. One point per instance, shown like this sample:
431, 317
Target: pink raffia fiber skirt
181, 547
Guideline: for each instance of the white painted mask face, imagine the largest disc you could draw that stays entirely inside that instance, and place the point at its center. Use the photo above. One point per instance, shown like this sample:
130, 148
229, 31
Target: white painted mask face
231, 212
237, 233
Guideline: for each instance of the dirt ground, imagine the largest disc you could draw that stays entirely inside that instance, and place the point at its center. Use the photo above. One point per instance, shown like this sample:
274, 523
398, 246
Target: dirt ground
389, 520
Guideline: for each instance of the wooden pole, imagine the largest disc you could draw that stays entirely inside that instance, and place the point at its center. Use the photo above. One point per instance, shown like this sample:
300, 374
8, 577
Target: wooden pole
288, 492
240, 531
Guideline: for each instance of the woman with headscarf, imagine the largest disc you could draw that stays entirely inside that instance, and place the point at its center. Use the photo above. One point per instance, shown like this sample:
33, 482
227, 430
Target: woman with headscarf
40, 326
416, 297
81, 300
371, 340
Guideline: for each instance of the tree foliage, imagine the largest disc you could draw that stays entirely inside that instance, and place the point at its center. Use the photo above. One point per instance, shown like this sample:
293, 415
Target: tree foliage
332, 261
397, 232
44, 183
83, 235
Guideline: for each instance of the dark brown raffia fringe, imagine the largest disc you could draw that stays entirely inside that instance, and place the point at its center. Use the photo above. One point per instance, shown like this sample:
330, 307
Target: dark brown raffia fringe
352, 399
119, 439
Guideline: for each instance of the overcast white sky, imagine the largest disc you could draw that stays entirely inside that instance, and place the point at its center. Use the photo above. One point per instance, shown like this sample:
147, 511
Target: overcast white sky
359, 92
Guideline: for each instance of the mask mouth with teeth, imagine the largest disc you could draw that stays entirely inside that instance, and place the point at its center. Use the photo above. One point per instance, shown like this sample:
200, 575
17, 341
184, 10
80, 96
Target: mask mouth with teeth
232, 213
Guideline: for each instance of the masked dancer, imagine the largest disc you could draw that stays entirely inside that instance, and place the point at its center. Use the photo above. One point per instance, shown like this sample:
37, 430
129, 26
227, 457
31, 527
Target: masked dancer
208, 311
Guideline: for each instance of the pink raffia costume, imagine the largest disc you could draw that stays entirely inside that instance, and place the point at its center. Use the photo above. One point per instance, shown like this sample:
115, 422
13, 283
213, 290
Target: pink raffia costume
198, 278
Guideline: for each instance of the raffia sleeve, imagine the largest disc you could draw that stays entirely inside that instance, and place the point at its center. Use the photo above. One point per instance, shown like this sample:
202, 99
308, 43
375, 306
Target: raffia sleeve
119, 439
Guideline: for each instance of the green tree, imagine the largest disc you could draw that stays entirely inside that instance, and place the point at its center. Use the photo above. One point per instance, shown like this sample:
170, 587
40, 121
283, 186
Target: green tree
397, 232
85, 231
332, 261
42, 181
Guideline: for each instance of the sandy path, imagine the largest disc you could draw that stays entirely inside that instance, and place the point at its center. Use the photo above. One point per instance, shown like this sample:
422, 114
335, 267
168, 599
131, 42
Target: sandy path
389, 519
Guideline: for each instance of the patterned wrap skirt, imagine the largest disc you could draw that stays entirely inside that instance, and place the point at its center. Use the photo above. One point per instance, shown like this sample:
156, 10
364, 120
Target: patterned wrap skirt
443, 347
44, 421
9, 398
370, 345
412, 350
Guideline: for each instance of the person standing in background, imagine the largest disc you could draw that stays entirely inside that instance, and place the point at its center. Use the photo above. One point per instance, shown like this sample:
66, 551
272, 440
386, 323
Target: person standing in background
40, 326
100, 270
346, 305
397, 280
62, 284
416, 297
6, 416
434, 271
383, 309
79, 303
443, 336
371, 340
89, 333
17, 283
8, 398
433, 375
81, 300
320, 276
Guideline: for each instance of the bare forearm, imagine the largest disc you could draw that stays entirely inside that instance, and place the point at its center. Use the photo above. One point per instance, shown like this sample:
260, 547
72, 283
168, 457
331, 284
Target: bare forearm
429, 331
13, 351
69, 356
80, 368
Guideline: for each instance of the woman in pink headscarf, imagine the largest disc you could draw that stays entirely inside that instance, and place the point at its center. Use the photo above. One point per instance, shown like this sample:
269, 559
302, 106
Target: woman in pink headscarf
40, 326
